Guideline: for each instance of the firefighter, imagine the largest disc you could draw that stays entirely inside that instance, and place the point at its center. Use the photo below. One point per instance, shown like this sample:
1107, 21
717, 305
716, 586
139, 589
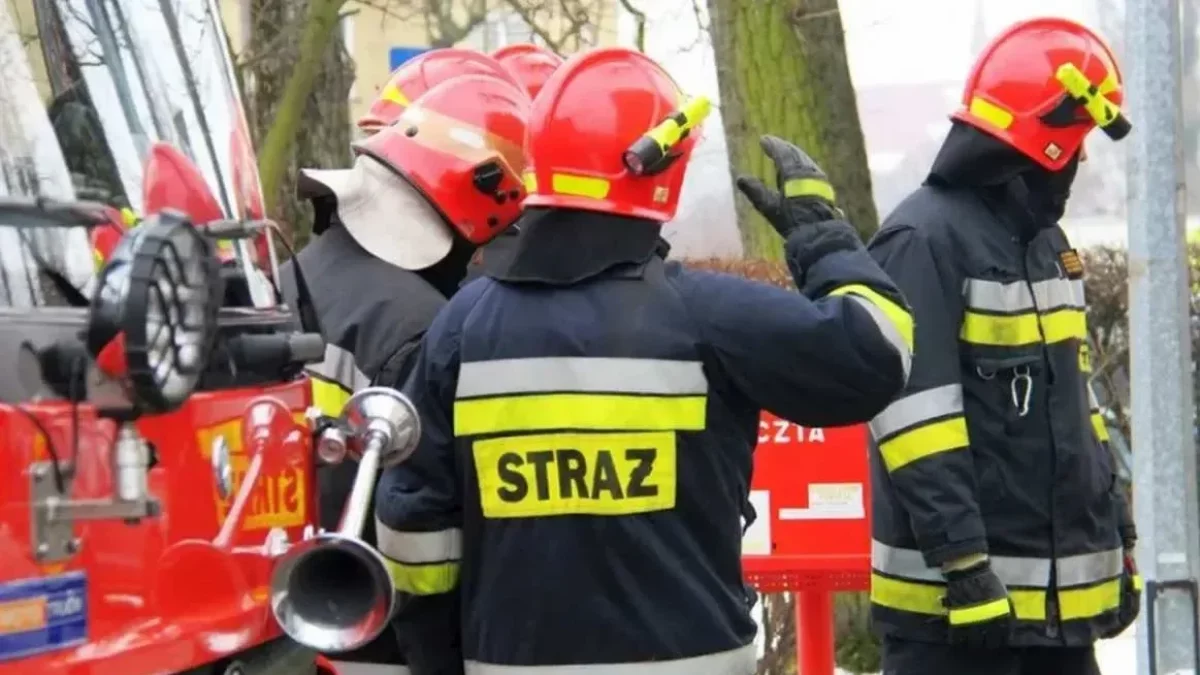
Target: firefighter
590, 411
421, 73
1003, 544
398, 230
531, 66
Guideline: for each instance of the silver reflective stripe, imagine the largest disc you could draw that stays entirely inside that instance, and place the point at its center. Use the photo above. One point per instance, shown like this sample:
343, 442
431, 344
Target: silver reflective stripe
890, 332
1092, 402
581, 374
338, 366
1089, 568
993, 296
1011, 298
910, 564
357, 668
1058, 293
419, 547
931, 404
740, 661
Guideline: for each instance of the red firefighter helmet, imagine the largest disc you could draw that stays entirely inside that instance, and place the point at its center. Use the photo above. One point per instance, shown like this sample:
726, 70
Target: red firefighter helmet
611, 132
460, 145
1041, 86
530, 64
422, 73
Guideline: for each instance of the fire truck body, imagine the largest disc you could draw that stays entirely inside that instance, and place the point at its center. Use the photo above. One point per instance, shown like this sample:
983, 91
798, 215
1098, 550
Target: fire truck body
132, 103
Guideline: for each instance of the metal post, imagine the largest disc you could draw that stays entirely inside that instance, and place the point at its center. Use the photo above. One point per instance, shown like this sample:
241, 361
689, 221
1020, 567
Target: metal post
1163, 449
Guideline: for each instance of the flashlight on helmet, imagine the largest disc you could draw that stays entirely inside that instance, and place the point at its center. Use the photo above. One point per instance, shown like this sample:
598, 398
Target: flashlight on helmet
649, 153
1108, 115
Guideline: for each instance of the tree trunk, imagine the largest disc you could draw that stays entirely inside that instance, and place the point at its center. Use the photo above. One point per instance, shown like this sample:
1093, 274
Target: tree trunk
782, 69
323, 140
318, 30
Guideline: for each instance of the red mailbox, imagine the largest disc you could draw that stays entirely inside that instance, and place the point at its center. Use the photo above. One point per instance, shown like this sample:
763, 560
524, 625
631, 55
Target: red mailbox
813, 531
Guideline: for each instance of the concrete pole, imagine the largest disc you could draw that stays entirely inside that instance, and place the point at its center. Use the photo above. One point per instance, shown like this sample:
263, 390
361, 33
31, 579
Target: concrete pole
1163, 448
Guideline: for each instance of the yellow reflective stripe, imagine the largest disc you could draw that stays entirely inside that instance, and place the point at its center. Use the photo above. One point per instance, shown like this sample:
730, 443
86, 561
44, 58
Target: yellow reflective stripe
328, 397
1100, 427
613, 412
1138, 584
899, 317
392, 94
1023, 329
1064, 324
987, 611
926, 598
1000, 331
579, 186
423, 579
529, 178
97, 259
991, 113
1089, 601
924, 441
809, 187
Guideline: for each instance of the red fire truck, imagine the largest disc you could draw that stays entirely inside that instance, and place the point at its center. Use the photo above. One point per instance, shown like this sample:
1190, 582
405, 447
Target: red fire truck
154, 429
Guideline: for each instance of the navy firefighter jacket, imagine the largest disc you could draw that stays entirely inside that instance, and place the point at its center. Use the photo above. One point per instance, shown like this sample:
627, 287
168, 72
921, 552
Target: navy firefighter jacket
587, 448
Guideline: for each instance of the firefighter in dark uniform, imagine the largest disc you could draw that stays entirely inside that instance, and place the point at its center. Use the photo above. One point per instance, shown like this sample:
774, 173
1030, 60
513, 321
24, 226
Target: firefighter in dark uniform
590, 412
531, 66
1002, 539
397, 231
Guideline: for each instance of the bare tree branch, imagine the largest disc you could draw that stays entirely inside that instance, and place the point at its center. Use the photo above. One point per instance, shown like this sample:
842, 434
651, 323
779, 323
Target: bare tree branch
639, 18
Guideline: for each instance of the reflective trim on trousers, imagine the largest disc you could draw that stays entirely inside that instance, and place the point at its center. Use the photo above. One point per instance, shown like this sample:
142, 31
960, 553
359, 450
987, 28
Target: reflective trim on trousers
740, 661
580, 374
419, 547
358, 668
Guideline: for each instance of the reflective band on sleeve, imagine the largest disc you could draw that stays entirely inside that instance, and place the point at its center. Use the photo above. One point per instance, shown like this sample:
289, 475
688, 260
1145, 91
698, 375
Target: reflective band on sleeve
1138, 584
419, 547
926, 598
924, 441
429, 579
961, 616
588, 393
555, 374
334, 379
328, 397
1099, 427
908, 563
1089, 568
739, 661
918, 408
894, 321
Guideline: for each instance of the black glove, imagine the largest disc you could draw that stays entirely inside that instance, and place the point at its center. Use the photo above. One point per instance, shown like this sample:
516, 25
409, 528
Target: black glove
979, 611
1131, 595
805, 196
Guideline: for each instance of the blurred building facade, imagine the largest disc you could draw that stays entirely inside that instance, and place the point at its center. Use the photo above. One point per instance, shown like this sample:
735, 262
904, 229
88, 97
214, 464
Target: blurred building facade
372, 31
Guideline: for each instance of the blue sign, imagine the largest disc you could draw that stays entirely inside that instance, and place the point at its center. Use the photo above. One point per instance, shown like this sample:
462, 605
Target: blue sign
398, 55
42, 615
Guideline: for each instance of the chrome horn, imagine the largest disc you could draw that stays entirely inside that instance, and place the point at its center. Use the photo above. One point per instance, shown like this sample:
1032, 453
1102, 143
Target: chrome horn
332, 592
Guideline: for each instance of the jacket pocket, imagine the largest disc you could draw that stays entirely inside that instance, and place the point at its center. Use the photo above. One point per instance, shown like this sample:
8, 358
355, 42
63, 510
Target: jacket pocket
1009, 391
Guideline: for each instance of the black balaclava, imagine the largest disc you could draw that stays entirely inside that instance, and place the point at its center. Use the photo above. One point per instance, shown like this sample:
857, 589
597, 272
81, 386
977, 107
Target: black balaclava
447, 274
973, 158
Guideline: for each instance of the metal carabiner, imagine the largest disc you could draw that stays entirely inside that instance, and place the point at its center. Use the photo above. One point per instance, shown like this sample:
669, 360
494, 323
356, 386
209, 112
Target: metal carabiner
1022, 389
985, 374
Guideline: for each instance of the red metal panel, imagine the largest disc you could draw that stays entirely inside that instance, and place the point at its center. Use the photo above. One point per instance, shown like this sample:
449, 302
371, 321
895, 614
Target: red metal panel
815, 529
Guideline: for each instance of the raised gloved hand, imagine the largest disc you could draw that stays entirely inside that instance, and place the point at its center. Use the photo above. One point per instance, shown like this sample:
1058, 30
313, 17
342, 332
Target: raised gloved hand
1131, 594
978, 609
804, 195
